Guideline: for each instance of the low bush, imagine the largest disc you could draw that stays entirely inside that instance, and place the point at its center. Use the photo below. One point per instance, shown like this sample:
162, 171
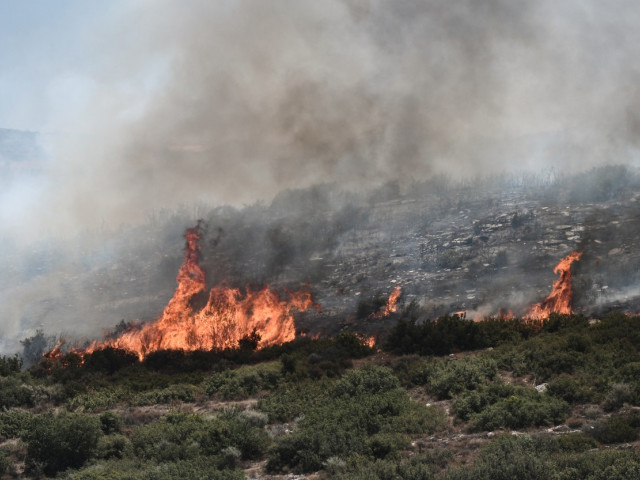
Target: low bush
364, 413
614, 430
170, 394
15, 393
55, 443
501, 405
10, 365
15, 423
95, 401
243, 382
5, 463
113, 446
452, 377
182, 436
569, 390
110, 423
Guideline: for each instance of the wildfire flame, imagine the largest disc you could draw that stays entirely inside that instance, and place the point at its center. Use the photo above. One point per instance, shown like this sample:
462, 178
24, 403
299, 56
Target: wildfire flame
561, 296
227, 317
370, 341
391, 306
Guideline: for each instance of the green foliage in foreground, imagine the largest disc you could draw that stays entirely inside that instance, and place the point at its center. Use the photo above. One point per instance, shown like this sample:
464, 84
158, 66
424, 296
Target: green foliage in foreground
505, 405
181, 436
314, 413
55, 443
196, 468
365, 412
544, 458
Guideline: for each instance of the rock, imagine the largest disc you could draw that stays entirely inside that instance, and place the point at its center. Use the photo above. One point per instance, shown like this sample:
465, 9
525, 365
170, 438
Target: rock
542, 387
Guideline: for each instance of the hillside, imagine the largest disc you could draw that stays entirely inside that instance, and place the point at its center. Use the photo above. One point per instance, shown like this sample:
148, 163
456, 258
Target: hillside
479, 247
537, 401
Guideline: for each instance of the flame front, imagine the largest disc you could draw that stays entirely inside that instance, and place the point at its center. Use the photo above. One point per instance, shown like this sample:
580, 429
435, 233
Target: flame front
561, 296
391, 306
227, 317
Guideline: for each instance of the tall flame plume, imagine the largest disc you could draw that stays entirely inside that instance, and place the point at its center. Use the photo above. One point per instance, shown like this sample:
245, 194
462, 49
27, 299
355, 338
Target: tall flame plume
227, 317
560, 299
391, 306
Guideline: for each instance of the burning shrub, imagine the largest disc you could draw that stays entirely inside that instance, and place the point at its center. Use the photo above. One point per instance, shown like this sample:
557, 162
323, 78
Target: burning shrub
56, 443
370, 306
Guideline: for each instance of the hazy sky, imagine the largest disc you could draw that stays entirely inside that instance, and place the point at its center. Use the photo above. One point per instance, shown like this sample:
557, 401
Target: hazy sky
163, 102
43, 57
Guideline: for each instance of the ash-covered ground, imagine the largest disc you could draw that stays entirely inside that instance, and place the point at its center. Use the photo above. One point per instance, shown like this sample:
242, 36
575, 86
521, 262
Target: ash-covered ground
478, 247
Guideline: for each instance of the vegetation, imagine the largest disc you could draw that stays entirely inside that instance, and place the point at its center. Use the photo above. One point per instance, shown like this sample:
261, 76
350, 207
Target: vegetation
462, 407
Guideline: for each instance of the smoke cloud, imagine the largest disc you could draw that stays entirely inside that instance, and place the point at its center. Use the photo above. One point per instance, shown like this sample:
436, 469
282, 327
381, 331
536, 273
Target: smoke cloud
169, 106
232, 101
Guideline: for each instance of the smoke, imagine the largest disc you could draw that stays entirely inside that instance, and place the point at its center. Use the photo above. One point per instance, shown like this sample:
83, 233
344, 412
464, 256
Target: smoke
232, 101
167, 104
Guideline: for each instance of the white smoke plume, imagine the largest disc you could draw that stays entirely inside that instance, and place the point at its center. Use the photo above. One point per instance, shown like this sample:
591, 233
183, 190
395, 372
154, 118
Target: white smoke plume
231, 101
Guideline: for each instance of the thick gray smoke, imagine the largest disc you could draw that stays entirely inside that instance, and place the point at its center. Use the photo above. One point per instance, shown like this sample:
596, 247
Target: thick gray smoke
212, 102
232, 101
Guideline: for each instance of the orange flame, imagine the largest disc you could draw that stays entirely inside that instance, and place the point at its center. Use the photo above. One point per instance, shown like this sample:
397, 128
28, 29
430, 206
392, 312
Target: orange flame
391, 306
561, 296
227, 317
369, 341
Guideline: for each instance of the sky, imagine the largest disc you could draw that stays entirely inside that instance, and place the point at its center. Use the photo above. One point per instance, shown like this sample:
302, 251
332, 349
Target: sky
43, 59
149, 104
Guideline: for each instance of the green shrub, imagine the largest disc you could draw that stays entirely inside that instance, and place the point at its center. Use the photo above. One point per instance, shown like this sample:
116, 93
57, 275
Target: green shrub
386, 445
110, 423
243, 382
109, 360
364, 413
10, 365
619, 394
452, 377
56, 443
170, 394
360, 468
576, 442
130, 469
113, 446
614, 430
5, 463
15, 393
181, 437
504, 405
568, 389
506, 458
15, 423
